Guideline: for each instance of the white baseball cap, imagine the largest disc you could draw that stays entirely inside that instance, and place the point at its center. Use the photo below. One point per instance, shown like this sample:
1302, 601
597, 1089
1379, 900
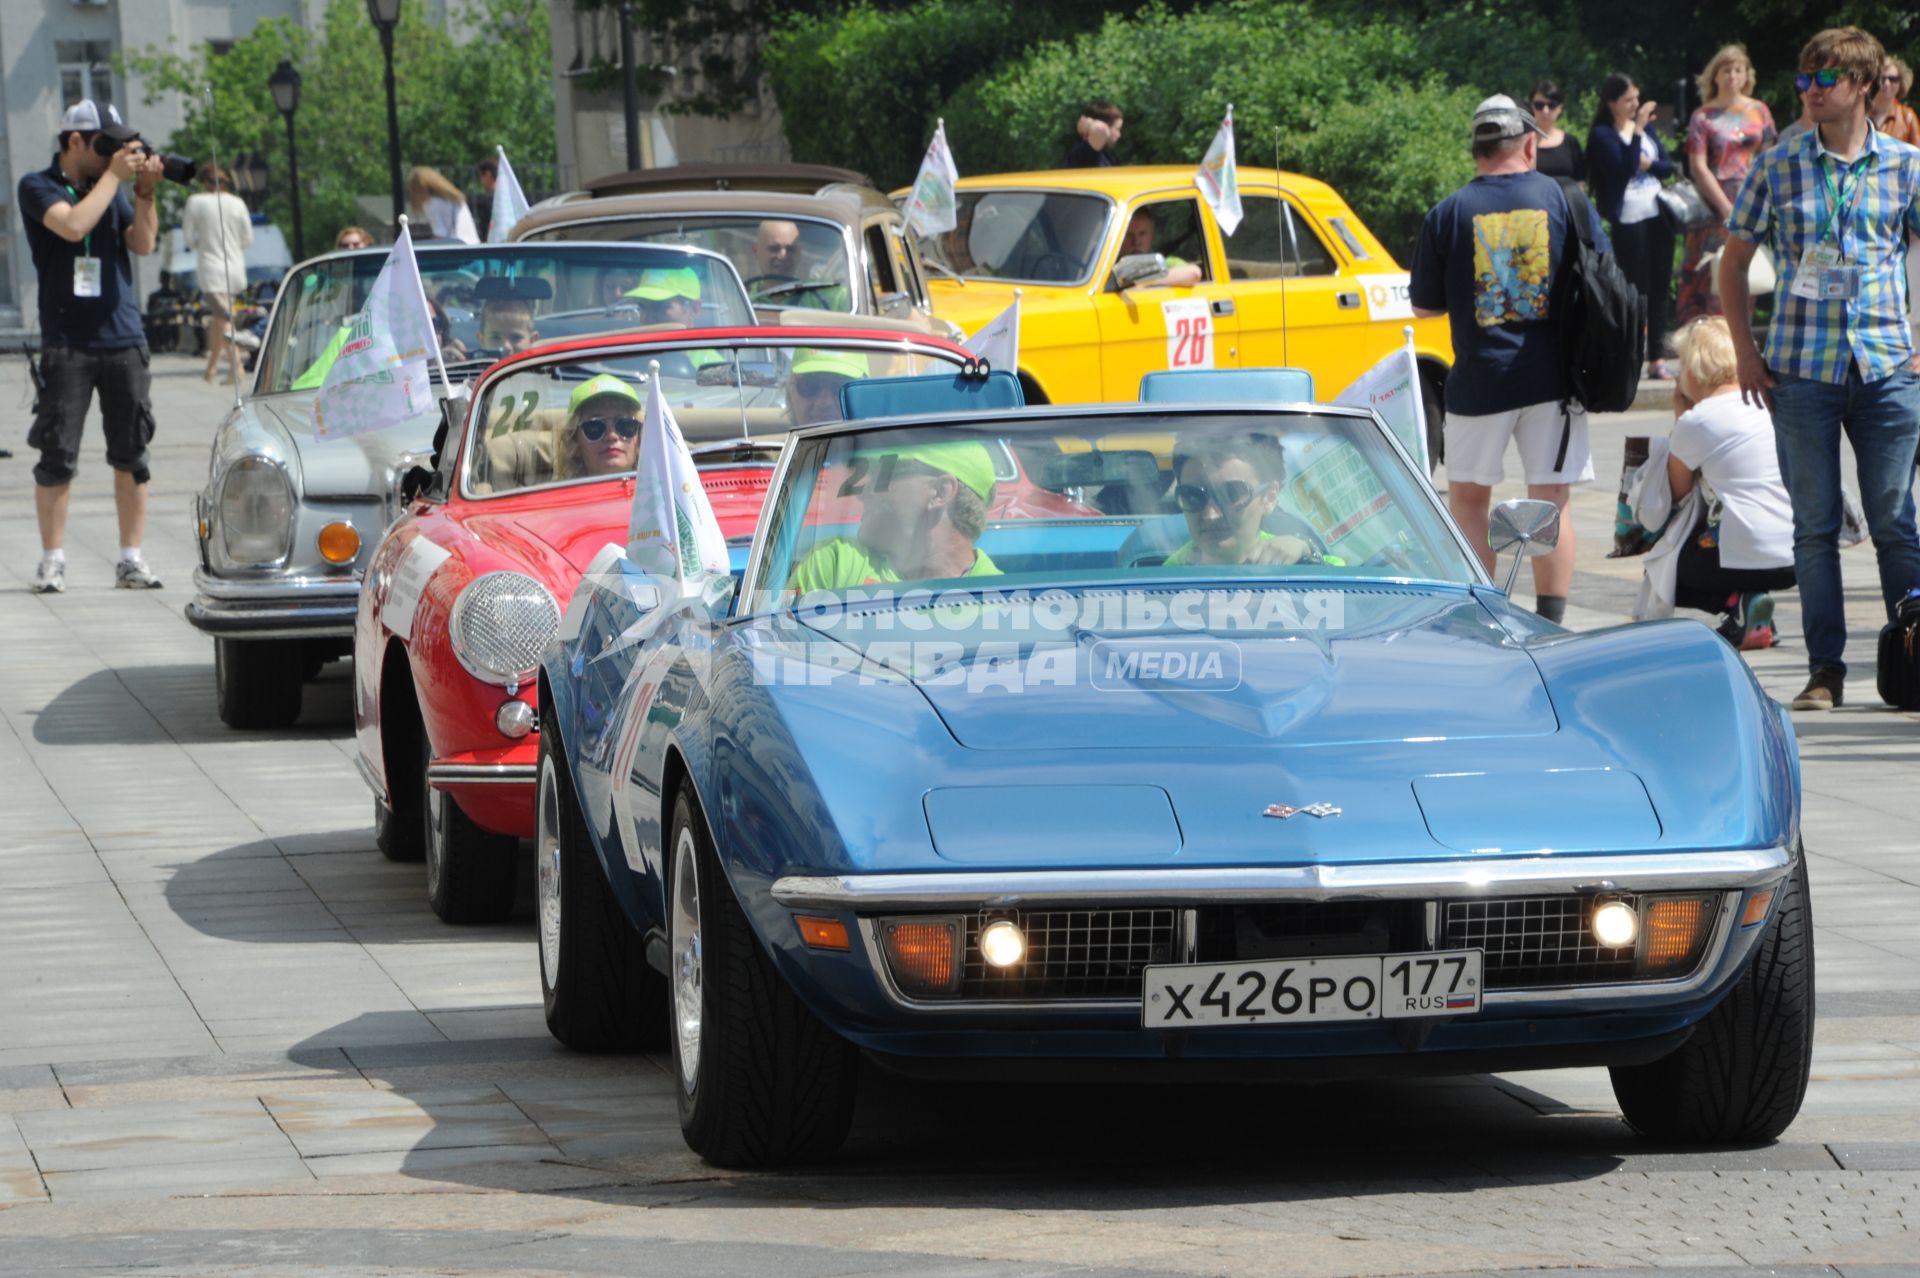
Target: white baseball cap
1501, 117
88, 116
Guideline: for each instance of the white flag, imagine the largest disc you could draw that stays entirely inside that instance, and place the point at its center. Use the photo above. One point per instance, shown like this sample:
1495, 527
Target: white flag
672, 531
1391, 388
664, 156
1219, 179
509, 202
379, 377
930, 209
998, 341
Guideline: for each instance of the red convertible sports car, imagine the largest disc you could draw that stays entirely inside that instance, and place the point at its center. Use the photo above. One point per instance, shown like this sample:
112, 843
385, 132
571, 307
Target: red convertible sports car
465, 591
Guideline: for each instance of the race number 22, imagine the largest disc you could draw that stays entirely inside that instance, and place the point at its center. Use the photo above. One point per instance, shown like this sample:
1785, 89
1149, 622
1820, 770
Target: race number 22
1189, 333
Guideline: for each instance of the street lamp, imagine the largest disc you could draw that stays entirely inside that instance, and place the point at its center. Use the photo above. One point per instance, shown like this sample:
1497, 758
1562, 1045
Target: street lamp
386, 16
629, 84
285, 83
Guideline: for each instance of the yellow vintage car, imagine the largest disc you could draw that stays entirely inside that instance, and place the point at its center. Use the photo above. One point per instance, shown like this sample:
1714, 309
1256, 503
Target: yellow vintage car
1301, 282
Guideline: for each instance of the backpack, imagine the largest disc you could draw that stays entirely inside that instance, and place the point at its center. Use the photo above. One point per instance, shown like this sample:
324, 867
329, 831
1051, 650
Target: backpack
1899, 673
1599, 320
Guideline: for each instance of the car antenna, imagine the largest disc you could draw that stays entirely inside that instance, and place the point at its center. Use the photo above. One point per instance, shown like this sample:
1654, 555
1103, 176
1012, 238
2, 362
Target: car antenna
1282, 216
220, 221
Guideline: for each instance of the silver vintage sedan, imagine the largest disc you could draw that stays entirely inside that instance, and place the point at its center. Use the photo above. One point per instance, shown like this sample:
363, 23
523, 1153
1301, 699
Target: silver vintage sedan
287, 522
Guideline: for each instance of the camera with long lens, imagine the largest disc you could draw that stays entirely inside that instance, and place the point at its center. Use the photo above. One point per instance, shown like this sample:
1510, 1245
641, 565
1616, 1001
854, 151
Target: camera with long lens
175, 168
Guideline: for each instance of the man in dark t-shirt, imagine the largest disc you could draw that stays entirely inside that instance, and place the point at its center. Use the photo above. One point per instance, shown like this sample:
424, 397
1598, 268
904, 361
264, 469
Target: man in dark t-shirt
1098, 128
1486, 259
81, 228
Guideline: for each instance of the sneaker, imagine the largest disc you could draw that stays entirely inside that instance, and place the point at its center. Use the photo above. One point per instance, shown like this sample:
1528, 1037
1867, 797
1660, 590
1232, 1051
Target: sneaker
1823, 691
1749, 618
50, 578
133, 574
1758, 637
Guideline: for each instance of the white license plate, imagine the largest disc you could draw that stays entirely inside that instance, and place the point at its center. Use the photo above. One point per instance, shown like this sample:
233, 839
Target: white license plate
1290, 991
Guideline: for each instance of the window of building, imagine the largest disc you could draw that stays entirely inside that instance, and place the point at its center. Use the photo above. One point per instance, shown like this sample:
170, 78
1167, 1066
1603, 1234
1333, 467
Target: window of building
86, 70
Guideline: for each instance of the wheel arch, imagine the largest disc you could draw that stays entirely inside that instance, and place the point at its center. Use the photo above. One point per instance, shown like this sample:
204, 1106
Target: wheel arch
402, 726
1030, 387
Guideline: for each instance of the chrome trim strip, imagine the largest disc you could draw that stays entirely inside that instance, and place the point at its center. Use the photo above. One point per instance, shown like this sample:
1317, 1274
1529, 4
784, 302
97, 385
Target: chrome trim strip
265, 588
1652, 872
445, 774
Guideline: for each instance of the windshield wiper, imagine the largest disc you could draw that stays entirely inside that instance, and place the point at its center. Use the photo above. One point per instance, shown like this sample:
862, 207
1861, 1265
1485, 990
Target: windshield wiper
947, 271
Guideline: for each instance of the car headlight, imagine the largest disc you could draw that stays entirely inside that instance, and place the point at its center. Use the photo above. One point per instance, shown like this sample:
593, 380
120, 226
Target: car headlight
500, 625
256, 511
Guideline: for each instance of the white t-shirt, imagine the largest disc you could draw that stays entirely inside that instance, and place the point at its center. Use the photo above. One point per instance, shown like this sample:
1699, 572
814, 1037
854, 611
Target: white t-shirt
1731, 444
218, 229
451, 220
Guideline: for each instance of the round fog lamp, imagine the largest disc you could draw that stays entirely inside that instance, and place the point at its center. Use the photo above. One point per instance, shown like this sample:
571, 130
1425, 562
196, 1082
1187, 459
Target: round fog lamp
514, 719
1001, 943
339, 542
1615, 925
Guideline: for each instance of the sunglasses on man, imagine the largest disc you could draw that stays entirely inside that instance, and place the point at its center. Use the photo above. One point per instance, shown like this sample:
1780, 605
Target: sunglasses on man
1825, 77
594, 427
1229, 495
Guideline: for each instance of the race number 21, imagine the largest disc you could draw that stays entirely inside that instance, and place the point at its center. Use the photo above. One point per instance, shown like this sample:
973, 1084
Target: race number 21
1189, 333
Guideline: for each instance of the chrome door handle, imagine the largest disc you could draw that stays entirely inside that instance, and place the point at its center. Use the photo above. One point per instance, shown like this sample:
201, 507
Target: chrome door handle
1347, 301
1223, 306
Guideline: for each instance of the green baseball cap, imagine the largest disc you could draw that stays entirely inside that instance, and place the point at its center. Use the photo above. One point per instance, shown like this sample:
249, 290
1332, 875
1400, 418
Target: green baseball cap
595, 387
965, 460
660, 284
808, 359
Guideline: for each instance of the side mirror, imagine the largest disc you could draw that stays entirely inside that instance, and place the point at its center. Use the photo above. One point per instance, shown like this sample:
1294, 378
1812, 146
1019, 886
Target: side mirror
1533, 526
1136, 268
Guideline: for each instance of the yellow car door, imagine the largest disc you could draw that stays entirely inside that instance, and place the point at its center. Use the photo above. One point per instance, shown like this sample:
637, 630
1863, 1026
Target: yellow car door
1167, 325
1308, 296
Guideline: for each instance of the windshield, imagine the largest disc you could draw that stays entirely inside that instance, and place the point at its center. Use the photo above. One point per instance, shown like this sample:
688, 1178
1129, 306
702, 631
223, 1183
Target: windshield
1091, 499
1035, 237
495, 300
790, 262
580, 419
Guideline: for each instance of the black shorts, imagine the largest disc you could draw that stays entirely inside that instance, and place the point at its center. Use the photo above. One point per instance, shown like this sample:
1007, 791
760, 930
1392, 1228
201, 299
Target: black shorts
60, 410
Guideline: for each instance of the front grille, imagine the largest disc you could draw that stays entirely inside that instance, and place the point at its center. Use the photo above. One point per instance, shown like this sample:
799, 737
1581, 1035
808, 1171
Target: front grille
1072, 954
1536, 940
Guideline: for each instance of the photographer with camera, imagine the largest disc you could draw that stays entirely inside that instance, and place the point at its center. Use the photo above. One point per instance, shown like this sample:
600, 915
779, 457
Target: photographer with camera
81, 228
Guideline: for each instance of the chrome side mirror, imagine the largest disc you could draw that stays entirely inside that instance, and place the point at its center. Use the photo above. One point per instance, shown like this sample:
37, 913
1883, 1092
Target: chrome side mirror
1533, 526
1136, 268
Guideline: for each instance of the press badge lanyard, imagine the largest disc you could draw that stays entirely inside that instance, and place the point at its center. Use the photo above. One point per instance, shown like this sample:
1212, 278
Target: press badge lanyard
86, 268
1824, 275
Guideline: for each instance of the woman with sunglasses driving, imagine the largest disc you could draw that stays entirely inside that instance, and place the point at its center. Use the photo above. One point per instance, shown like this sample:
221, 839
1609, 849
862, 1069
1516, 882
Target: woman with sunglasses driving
1227, 488
1723, 136
1561, 154
602, 431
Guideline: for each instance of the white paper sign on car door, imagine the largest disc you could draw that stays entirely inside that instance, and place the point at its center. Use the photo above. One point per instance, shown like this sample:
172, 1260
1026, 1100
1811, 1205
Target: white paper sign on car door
1389, 297
410, 580
1189, 333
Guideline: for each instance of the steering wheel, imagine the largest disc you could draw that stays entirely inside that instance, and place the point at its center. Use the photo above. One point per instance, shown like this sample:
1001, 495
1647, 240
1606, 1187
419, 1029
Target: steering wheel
751, 280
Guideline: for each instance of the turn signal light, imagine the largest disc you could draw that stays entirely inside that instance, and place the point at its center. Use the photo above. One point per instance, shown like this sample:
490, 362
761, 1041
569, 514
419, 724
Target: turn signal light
339, 542
923, 953
822, 934
1676, 926
1757, 906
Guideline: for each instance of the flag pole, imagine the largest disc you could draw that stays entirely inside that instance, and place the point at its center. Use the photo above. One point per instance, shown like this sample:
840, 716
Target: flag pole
1280, 216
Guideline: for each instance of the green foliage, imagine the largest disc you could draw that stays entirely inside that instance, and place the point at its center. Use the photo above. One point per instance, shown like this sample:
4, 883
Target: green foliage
454, 103
873, 81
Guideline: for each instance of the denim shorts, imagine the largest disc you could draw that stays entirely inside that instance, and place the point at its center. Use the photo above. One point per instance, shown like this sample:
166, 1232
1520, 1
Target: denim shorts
60, 409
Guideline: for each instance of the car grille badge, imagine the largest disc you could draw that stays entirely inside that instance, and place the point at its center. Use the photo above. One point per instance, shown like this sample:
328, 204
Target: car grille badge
1285, 810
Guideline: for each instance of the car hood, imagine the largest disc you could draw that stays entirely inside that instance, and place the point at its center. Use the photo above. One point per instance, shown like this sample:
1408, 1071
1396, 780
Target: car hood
1266, 667
558, 541
349, 464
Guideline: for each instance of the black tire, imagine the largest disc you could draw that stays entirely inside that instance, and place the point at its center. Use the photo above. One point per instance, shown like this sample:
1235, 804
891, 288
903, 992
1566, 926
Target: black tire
470, 871
600, 994
772, 1085
399, 835
1741, 1077
257, 682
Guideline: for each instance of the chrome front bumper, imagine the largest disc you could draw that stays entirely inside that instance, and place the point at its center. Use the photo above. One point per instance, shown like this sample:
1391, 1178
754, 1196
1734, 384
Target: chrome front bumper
1205, 885
274, 608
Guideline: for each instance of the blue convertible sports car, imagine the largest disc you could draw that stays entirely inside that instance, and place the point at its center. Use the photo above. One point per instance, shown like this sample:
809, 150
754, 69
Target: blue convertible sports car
1227, 760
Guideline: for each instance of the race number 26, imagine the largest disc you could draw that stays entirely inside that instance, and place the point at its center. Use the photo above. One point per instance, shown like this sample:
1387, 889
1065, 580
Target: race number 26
1189, 334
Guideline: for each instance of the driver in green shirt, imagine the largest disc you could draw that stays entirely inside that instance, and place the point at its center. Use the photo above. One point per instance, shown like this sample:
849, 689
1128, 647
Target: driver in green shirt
923, 506
672, 296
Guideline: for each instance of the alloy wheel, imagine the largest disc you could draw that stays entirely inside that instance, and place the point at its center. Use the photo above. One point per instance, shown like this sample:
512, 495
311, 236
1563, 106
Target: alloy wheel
684, 960
547, 863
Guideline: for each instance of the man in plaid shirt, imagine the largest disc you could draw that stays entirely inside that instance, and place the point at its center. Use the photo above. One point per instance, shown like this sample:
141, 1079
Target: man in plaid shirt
1835, 205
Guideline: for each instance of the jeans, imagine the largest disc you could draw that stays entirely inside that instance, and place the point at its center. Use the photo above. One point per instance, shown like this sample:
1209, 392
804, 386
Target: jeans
1882, 420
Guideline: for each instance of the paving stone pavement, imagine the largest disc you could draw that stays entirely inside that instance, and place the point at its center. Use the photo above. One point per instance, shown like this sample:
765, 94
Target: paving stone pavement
233, 1038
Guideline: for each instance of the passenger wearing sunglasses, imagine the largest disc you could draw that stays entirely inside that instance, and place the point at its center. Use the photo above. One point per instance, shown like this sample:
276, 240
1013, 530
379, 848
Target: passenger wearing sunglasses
602, 432
1838, 205
1561, 154
1226, 489
814, 382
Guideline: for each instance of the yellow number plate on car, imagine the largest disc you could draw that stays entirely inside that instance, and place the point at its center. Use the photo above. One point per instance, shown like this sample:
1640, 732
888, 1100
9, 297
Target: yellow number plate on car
1288, 991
